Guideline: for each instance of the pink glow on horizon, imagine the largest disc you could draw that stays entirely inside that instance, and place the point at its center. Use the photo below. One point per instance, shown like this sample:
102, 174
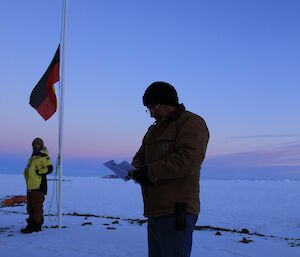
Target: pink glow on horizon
71, 151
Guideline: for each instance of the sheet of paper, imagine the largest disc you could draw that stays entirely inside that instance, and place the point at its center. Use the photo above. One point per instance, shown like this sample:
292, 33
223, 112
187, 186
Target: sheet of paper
120, 169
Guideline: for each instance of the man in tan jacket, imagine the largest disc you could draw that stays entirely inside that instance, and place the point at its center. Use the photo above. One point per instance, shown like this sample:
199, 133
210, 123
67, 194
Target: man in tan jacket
168, 167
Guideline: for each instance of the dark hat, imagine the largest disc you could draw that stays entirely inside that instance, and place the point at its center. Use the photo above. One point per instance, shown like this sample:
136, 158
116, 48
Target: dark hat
160, 93
38, 141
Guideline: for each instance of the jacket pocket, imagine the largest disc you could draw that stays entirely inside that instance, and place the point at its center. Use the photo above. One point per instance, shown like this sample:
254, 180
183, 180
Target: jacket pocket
165, 148
166, 141
166, 144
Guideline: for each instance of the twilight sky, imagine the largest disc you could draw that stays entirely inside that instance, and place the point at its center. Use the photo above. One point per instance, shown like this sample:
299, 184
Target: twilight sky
235, 63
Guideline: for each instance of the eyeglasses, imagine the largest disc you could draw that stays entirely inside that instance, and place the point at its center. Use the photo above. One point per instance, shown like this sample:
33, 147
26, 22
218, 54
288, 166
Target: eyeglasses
152, 107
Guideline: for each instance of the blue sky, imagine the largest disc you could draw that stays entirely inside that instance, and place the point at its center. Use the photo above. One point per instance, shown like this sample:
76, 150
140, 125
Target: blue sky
235, 63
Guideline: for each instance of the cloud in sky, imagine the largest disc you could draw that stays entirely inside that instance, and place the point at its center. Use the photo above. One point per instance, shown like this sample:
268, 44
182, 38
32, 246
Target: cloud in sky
264, 136
281, 154
280, 161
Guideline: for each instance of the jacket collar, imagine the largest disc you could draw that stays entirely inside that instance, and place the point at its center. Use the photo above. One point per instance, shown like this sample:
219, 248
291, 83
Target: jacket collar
42, 153
35, 154
175, 115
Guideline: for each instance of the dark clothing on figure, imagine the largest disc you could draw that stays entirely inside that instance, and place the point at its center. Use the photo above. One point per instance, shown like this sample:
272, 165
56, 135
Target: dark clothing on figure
35, 200
165, 241
171, 155
38, 167
173, 151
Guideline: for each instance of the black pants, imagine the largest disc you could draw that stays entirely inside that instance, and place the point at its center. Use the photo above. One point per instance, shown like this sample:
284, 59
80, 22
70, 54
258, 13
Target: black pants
35, 200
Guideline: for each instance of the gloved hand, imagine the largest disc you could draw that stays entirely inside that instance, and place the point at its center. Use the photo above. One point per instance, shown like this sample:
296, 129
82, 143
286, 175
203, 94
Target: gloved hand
141, 176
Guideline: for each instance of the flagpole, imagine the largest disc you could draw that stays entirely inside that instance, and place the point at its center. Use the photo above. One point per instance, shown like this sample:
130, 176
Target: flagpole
61, 115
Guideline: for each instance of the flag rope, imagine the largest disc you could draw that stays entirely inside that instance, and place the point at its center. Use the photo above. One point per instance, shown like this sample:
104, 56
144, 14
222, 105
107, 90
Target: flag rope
54, 191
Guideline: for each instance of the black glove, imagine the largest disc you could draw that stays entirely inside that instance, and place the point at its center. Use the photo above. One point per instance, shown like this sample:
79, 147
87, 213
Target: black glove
141, 176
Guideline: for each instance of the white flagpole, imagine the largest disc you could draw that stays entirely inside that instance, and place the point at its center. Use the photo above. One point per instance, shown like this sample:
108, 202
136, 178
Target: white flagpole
61, 114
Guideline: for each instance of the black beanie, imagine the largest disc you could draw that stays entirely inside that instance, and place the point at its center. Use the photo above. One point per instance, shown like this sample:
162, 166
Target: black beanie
38, 141
160, 93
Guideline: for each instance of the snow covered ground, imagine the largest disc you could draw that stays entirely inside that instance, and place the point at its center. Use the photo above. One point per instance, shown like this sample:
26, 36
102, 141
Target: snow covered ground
115, 226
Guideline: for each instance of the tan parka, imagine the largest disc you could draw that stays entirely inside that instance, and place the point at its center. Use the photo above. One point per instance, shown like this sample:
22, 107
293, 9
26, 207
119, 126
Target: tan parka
173, 150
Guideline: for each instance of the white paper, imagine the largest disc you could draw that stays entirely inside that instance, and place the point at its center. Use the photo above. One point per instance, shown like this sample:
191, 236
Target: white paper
120, 169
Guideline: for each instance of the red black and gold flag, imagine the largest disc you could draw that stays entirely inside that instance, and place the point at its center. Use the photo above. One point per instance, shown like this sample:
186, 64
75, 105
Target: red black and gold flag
43, 97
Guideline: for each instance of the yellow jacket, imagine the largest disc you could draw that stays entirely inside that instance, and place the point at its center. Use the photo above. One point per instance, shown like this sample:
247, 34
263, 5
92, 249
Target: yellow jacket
38, 167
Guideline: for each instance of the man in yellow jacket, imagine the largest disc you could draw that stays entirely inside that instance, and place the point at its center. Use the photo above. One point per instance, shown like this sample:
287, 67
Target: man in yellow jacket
38, 167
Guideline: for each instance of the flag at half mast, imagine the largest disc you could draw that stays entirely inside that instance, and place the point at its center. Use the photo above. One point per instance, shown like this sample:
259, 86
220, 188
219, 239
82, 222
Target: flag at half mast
43, 97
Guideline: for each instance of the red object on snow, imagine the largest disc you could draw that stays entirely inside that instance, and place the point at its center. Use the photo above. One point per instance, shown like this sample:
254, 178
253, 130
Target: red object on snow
15, 199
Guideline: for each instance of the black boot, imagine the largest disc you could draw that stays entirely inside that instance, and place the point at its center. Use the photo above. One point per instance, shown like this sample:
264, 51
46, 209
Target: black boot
28, 229
31, 227
38, 227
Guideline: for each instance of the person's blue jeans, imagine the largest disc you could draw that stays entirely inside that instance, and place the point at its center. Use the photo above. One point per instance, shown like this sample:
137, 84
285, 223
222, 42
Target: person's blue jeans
165, 241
